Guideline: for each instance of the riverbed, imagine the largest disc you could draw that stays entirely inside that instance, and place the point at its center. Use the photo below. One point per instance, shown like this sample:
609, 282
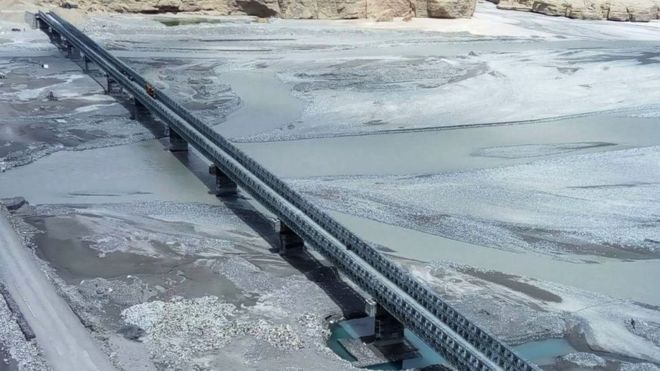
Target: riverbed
514, 172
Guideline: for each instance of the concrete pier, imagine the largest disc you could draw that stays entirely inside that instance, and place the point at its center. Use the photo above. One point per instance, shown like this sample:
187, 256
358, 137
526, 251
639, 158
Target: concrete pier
85, 63
72, 52
289, 240
177, 143
138, 111
112, 86
56, 38
387, 329
40, 24
224, 186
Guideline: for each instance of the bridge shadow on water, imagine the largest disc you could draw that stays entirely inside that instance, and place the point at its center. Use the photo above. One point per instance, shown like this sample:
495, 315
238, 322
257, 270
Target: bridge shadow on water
326, 277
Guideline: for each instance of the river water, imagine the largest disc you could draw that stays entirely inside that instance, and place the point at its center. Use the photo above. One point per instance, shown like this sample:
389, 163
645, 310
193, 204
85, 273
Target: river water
441, 150
146, 171
540, 352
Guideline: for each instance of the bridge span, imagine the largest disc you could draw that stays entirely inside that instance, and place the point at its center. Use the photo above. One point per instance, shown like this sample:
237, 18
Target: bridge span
397, 293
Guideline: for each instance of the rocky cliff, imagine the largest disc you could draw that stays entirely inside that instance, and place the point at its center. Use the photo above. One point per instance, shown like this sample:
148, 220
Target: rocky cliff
614, 10
303, 9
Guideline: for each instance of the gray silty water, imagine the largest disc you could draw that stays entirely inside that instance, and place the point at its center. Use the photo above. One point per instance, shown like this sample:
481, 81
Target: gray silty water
433, 151
7, 363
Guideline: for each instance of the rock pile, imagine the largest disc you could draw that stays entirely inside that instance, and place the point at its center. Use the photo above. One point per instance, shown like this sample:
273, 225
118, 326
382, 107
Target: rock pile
299, 9
613, 10
179, 330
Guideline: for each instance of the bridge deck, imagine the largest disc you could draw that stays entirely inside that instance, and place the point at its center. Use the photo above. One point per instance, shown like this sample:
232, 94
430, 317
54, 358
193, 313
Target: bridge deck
465, 345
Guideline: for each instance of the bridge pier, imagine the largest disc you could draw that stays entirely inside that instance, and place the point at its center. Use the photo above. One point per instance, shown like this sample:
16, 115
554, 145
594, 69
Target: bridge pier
387, 329
112, 86
139, 112
85, 63
177, 143
224, 186
41, 24
55, 37
72, 52
289, 240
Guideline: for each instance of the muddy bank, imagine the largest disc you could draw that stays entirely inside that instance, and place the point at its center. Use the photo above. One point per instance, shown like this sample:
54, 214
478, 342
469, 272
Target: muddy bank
296, 9
79, 116
521, 310
135, 273
139, 284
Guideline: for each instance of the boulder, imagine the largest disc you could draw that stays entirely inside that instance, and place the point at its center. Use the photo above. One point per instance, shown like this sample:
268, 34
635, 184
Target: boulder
132, 332
553, 8
451, 8
585, 12
618, 12
220, 7
421, 8
131, 7
387, 15
299, 9
323, 9
259, 8
326, 9
14, 203
168, 6
614, 10
520, 5
395, 8
351, 9
641, 14
69, 5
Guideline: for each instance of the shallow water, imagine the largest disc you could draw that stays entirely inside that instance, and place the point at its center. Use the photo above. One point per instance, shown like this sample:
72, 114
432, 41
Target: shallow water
436, 151
147, 171
356, 328
540, 352
62, 245
144, 171
544, 351
603, 275
6, 362
266, 103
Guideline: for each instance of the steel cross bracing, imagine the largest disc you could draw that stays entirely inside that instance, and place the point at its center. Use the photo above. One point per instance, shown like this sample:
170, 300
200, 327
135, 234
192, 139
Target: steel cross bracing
461, 342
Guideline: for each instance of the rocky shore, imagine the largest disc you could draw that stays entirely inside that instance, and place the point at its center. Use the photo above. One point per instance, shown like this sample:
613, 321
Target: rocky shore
298, 9
613, 10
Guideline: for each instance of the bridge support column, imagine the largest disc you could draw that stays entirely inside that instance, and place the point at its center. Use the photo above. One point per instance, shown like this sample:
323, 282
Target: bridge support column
55, 37
72, 52
177, 143
387, 329
85, 63
112, 86
289, 240
139, 112
224, 186
41, 24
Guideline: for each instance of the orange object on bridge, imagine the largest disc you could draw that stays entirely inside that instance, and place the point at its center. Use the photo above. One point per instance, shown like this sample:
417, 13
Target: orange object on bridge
151, 90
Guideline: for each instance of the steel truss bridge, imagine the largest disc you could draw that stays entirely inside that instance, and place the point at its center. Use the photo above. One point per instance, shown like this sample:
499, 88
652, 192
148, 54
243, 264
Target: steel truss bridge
461, 342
